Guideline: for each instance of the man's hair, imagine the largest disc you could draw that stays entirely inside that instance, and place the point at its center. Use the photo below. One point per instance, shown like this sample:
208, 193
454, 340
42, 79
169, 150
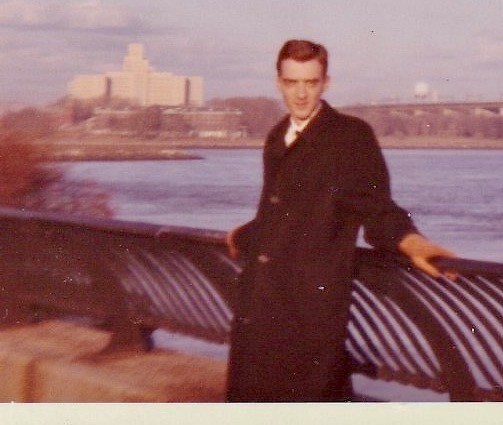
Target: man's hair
302, 51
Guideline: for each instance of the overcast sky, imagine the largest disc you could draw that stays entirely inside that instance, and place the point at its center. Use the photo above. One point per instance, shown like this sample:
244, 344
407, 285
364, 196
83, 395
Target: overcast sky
379, 48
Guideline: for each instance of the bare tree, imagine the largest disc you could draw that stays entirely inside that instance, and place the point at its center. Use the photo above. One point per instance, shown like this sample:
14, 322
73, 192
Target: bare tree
28, 181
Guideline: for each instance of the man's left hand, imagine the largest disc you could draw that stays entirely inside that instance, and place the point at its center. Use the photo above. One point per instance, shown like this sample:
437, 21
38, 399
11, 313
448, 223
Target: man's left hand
420, 251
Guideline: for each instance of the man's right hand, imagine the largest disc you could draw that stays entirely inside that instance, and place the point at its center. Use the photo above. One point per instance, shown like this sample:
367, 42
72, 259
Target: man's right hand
421, 250
231, 245
238, 239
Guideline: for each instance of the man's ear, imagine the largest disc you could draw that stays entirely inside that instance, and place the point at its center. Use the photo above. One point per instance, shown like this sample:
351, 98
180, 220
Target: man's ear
278, 82
326, 83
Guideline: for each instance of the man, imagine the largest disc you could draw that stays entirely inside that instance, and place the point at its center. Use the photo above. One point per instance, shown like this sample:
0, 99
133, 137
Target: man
324, 177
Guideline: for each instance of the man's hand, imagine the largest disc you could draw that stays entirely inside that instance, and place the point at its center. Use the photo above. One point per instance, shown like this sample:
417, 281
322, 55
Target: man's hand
238, 239
231, 245
420, 251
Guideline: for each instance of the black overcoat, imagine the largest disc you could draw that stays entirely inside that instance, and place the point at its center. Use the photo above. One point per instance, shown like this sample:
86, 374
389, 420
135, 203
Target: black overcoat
289, 328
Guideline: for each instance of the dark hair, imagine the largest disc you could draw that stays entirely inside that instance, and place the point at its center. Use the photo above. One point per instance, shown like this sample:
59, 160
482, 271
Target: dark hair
303, 51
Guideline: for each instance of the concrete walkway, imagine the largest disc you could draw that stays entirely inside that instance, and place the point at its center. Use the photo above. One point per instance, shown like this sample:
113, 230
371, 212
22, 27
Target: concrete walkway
56, 361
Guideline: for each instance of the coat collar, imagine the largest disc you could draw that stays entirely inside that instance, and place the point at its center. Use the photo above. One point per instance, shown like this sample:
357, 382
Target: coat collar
318, 122
308, 135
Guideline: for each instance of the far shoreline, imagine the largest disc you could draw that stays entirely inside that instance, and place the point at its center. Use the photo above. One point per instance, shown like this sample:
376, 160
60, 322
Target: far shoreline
82, 147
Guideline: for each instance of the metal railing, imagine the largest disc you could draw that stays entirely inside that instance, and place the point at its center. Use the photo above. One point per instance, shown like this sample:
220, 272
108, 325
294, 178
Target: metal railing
432, 333
132, 278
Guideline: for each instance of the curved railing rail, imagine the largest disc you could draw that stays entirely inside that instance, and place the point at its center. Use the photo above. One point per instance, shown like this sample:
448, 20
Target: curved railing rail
133, 278
437, 333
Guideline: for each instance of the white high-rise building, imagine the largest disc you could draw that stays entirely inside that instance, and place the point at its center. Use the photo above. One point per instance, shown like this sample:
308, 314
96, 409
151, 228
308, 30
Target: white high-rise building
139, 84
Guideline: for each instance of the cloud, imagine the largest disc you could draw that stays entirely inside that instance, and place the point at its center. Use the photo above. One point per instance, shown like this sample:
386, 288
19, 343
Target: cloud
491, 51
21, 13
81, 15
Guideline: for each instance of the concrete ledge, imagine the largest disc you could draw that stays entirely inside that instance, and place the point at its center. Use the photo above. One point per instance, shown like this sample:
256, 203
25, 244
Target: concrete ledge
53, 362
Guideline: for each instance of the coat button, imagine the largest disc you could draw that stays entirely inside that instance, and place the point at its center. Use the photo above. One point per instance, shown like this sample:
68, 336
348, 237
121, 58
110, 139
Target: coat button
274, 199
244, 320
263, 258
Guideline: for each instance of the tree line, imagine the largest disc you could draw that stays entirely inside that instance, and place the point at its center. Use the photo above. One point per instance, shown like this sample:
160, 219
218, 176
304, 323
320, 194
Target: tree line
459, 124
259, 115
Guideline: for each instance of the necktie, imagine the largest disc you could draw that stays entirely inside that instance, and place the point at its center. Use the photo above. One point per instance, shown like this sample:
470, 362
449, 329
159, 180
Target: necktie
291, 135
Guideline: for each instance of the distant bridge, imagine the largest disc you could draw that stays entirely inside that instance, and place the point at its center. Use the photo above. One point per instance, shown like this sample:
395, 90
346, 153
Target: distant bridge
415, 108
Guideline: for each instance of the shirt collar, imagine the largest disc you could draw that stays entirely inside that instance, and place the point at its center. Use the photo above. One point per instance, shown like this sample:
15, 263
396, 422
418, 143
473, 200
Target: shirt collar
298, 127
294, 129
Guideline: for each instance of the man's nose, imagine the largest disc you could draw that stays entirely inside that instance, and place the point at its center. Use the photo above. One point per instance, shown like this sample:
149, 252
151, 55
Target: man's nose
301, 91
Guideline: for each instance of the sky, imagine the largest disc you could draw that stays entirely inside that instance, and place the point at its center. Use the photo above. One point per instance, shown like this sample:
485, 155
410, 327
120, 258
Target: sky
379, 49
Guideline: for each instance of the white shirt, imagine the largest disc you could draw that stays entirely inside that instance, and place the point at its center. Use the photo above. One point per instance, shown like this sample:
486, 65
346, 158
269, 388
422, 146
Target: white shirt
296, 128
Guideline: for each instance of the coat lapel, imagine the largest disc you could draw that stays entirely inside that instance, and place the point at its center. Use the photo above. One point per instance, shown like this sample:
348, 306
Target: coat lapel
317, 125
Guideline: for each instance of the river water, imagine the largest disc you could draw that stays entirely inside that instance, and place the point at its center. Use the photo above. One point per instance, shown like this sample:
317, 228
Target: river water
455, 196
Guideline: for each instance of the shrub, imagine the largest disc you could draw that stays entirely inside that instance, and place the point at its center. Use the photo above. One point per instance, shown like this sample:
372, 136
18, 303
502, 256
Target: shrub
29, 180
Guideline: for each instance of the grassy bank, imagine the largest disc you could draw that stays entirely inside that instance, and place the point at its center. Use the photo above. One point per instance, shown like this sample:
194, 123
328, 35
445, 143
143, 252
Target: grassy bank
107, 147
439, 142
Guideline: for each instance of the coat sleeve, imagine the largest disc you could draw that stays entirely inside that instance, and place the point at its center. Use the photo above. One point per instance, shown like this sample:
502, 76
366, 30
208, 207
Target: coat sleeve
384, 222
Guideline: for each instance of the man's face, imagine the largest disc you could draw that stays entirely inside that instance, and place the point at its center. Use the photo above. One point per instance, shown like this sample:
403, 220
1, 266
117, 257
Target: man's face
301, 84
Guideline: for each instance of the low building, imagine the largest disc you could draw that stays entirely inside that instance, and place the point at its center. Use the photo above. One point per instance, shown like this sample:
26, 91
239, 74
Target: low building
169, 122
210, 123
